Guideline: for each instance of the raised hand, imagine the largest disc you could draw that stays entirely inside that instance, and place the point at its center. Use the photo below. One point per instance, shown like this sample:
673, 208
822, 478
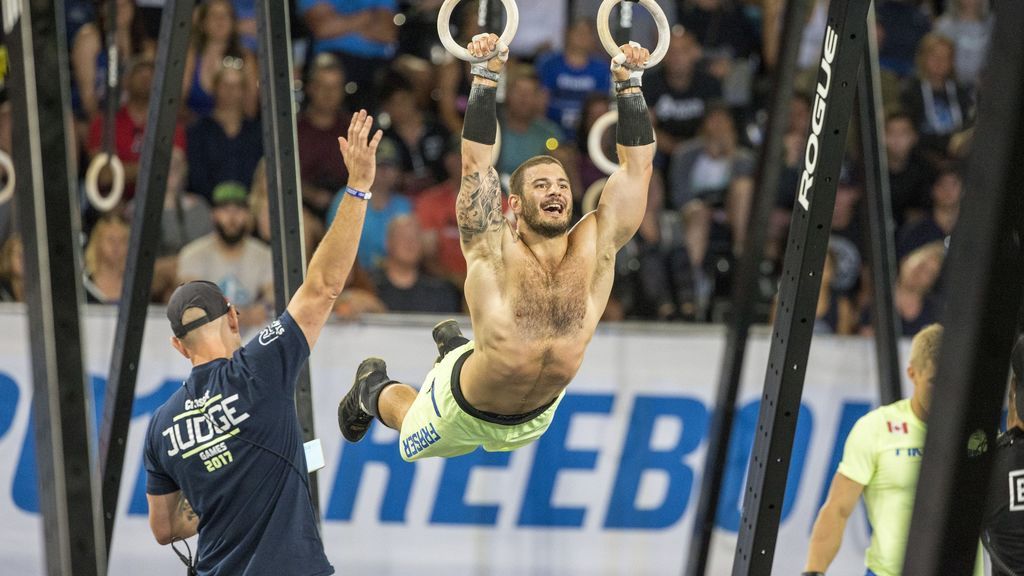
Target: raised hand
360, 151
484, 44
634, 57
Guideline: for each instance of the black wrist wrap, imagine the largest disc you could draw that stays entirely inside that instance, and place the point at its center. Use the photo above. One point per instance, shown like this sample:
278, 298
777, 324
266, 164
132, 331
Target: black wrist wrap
634, 125
481, 123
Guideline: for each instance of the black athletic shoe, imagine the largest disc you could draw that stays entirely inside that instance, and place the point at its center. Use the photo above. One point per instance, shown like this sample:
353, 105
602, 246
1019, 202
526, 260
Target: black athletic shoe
448, 336
358, 408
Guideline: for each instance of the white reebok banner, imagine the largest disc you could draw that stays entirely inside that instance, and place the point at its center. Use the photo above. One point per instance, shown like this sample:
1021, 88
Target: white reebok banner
611, 489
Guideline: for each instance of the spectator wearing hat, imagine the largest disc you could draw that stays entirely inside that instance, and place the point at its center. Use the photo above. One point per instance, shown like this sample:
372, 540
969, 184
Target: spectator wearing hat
224, 146
230, 257
385, 204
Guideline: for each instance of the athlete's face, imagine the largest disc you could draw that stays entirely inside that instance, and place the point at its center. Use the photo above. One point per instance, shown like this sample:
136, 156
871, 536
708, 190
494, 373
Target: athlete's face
545, 203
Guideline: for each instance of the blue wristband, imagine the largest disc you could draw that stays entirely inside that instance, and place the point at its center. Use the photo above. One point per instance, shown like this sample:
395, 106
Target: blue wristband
358, 194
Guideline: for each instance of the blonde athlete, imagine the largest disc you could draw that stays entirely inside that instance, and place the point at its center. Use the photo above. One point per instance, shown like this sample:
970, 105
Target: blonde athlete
881, 461
535, 289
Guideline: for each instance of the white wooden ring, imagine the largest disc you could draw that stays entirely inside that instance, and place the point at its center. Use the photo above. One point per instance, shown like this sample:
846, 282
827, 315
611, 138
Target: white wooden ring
605, 34
7, 192
594, 148
444, 32
92, 189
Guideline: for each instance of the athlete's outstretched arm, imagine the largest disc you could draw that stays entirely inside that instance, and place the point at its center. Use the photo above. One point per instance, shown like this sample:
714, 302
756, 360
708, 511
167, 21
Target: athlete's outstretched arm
831, 523
332, 261
478, 207
624, 199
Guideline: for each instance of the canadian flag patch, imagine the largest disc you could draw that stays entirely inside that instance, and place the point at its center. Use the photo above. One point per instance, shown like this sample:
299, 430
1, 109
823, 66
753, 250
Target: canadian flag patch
898, 427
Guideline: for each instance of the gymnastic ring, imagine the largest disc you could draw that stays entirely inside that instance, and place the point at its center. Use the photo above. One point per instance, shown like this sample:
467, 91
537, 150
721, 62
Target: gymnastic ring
445, 33
605, 34
92, 189
594, 149
593, 195
7, 192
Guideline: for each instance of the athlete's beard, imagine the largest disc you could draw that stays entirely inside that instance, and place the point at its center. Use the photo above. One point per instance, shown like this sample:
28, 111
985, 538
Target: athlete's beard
229, 239
534, 218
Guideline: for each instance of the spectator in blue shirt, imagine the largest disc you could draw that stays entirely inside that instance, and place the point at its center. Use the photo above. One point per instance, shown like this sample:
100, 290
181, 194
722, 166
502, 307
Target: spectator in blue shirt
901, 26
385, 205
362, 33
572, 75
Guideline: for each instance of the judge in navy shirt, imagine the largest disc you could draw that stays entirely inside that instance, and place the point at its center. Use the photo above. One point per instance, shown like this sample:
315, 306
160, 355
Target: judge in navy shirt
224, 454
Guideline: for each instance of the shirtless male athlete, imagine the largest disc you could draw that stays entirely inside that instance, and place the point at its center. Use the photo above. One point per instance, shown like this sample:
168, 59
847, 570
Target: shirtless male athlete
535, 289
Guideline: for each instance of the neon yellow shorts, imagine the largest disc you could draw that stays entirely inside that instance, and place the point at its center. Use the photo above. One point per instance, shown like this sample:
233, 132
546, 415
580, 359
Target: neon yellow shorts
441, 423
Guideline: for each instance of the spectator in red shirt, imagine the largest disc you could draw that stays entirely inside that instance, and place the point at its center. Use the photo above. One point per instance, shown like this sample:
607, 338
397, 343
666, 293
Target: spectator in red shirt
435, 211
130, 126
319, 124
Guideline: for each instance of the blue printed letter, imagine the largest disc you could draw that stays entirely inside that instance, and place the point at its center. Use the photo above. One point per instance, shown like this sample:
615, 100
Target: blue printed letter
551, 457
354, 458
638, 458
450, 506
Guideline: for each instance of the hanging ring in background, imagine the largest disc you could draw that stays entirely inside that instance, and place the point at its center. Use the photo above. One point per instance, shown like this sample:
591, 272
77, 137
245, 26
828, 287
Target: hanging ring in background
92, 189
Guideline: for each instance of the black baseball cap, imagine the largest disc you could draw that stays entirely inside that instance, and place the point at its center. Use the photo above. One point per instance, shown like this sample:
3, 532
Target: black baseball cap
196, 294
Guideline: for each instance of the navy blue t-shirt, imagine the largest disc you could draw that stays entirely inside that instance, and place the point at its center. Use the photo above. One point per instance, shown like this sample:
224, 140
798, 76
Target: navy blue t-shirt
569, 88
253, 502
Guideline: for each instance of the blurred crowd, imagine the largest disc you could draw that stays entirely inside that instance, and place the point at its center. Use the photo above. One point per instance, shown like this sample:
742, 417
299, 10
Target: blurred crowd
707, 99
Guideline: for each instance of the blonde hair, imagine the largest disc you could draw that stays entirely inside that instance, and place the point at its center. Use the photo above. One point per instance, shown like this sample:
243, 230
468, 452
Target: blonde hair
92, 248
924, 348
8, 250
927, 44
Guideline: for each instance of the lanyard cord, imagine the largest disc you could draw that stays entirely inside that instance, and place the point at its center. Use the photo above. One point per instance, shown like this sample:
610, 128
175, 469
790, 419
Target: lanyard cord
186, 558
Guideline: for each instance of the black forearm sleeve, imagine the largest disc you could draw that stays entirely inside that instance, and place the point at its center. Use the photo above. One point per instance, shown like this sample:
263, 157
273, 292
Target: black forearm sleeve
481, 123
634, 125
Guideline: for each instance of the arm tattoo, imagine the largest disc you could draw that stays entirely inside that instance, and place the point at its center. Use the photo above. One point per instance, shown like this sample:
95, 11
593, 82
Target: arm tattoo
478, 207
185, 509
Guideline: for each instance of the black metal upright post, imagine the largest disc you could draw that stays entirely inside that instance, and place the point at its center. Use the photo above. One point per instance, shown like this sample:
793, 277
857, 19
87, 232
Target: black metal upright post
880, 219
69, 496
279, 142
175, 26
745, 288
986, 273
799, 287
